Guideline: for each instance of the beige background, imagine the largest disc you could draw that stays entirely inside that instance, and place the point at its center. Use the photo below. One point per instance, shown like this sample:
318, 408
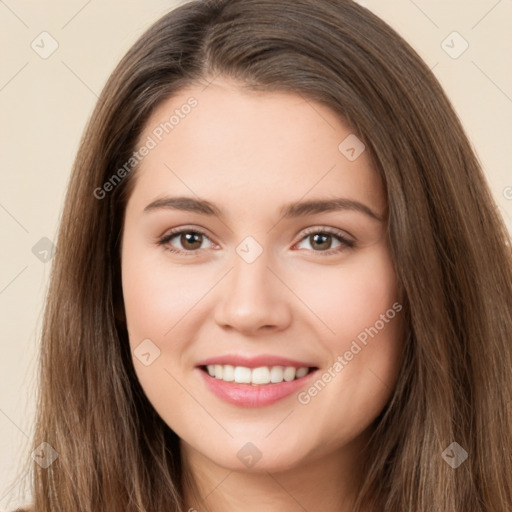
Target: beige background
45, 103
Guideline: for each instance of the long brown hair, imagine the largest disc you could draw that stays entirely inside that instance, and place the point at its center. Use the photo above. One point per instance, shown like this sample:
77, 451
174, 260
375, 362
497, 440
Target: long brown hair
449, 245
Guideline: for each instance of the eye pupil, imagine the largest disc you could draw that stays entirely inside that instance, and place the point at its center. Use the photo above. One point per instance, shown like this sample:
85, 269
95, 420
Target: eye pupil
323, 236
187, 239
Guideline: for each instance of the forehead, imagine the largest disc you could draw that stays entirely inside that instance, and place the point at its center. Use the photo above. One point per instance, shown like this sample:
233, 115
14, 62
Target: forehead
233, 144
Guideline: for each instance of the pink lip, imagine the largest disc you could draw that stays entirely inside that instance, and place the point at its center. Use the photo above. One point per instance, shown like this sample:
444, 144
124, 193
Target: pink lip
254, 362
248, 395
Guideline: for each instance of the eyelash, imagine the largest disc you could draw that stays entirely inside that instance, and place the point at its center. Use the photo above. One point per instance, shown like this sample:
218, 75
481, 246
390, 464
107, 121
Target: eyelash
346, 243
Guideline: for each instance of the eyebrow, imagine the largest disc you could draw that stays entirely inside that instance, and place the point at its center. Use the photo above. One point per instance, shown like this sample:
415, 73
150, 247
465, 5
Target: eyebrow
288, 211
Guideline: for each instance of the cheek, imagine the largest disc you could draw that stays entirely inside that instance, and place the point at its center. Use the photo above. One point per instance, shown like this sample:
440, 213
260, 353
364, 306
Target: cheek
358, 304
156, 294
366, 317
163, 303
155, 300
350, 298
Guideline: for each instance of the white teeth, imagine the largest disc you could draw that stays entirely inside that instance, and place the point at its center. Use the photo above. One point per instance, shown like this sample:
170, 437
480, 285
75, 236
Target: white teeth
301, 372
289, 373
219, 371
242, 375
260, 375
229, 373
256, 376
276, 374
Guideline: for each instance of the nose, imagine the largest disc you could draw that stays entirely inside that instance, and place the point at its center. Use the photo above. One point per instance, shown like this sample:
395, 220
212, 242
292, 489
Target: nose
253, 298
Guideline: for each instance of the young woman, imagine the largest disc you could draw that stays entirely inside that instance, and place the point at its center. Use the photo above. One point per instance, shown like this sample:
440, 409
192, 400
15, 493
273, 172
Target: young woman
281, 281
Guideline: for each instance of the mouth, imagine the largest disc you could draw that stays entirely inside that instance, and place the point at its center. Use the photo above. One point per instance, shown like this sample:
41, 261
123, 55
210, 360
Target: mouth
255, 387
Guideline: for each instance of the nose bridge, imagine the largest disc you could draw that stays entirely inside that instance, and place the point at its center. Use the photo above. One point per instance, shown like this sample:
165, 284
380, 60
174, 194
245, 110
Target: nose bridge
252, 296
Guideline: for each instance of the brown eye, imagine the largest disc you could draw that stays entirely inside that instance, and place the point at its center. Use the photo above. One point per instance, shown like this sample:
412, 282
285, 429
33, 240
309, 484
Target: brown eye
191, 240
185, 241
321, 241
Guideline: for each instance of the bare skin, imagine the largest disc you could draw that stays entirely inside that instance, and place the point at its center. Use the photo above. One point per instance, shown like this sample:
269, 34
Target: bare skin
303, 297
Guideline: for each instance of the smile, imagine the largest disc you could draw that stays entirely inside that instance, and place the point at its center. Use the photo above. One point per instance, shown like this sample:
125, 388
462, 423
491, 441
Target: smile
254, 387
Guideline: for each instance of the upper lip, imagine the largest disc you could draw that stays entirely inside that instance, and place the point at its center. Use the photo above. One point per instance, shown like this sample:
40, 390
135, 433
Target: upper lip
255, 361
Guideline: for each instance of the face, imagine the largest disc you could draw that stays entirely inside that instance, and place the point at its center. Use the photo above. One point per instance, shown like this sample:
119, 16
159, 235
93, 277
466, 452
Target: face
234, 281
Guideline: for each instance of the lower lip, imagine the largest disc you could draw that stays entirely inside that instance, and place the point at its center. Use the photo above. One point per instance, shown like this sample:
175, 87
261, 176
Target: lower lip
247, 395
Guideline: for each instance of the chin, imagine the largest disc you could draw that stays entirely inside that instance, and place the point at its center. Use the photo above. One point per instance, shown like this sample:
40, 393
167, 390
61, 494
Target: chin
254, 457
